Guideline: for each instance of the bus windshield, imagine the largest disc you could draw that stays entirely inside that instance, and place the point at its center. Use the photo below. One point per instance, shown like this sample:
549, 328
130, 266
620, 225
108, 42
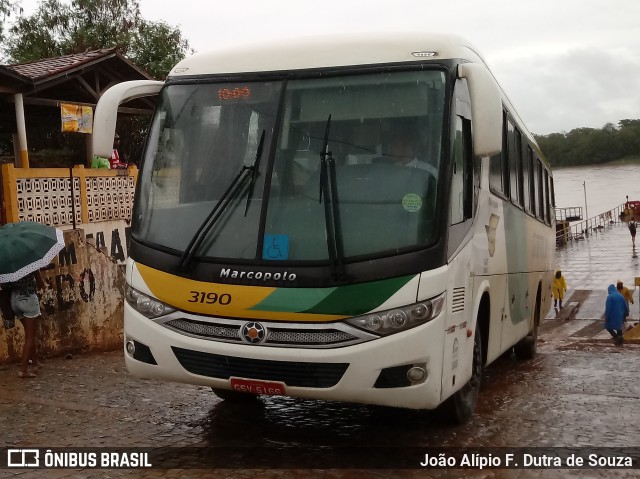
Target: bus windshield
384, 138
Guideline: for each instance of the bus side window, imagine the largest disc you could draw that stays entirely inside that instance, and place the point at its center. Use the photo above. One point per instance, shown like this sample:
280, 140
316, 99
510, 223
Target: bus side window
539, 190
462, 175
514, 153
547, 197
527, 176
499, 178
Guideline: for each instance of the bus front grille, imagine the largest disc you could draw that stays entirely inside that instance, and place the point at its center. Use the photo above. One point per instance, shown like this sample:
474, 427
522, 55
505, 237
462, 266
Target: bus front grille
313, 337
212, 331
291, 373
277, 334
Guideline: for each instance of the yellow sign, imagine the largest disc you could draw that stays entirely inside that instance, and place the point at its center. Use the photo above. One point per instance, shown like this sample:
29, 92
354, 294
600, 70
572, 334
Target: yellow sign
76, 118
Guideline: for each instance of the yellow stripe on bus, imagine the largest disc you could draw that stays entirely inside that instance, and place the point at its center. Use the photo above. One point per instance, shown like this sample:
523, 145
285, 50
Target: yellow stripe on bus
217, 299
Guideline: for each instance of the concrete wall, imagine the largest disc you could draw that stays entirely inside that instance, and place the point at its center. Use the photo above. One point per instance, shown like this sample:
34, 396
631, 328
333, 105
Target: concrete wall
82, 304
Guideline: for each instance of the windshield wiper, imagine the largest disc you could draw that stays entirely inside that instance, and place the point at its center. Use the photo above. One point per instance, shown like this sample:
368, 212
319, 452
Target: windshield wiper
254, 172
329, 191
220, 207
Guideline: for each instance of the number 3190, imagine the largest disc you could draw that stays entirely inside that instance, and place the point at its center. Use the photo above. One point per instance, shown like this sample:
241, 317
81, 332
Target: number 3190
209, 298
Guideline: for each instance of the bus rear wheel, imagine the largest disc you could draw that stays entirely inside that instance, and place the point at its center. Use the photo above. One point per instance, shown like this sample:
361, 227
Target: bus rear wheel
460, 406
527, 348
229, 395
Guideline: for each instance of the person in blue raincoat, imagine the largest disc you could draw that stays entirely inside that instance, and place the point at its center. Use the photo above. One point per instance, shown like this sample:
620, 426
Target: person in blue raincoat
615, 311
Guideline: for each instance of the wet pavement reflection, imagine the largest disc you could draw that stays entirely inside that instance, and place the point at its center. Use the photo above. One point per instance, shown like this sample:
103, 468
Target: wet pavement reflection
273, 421
573, 394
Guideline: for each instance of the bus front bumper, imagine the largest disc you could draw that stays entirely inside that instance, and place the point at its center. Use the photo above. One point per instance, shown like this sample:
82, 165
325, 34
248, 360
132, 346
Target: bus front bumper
372, 372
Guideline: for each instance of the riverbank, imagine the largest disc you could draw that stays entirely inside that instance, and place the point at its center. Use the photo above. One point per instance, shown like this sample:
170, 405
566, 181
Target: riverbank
634, 160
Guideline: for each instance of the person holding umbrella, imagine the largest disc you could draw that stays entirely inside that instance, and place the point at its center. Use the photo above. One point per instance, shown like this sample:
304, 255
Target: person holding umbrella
26, 306
25, 247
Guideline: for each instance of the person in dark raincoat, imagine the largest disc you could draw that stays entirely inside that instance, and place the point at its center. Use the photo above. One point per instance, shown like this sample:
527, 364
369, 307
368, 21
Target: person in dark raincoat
615, 311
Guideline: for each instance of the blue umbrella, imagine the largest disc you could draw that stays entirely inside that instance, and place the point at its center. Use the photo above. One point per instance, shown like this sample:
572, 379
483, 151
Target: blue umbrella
26, 247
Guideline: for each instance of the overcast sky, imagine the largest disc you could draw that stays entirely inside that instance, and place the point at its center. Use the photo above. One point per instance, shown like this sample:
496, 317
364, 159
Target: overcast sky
564, 64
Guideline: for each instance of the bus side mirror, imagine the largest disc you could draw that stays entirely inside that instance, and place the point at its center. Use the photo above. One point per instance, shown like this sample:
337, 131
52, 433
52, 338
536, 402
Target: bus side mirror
486, 109
104, 120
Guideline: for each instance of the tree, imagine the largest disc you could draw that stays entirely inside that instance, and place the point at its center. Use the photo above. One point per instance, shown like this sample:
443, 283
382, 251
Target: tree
157, 47
59, 29
585, 146
628, 136
7, 7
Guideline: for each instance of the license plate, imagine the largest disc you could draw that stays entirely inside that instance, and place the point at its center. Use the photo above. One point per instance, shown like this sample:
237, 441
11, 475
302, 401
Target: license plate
253, 386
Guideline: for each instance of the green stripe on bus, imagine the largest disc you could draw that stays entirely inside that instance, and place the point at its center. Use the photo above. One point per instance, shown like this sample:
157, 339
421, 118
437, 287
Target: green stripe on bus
293, 299
356, 299
350, 300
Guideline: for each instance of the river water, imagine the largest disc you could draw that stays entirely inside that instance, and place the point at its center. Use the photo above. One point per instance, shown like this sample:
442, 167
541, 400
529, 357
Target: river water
599, 259
606, 186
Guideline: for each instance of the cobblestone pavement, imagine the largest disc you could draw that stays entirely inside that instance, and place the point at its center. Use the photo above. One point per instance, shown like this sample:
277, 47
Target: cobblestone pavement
575, 393
580, 391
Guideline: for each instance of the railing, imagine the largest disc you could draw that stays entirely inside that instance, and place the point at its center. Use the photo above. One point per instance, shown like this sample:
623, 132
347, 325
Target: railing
572, 213
589, 226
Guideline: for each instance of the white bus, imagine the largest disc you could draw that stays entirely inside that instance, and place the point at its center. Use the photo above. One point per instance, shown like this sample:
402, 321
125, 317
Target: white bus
352, 218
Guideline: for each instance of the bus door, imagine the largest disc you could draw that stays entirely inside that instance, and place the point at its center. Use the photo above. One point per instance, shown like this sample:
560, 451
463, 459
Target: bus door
458, 343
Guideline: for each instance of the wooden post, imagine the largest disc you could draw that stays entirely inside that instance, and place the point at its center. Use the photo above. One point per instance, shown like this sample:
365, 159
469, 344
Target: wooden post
80, 171
10, 191
22, 131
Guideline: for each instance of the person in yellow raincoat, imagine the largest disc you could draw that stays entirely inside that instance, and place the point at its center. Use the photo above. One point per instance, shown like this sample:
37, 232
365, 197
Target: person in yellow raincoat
627, 294
559, 287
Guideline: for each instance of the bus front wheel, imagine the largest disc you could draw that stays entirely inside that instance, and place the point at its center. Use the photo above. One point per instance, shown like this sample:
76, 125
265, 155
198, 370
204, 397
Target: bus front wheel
460, 406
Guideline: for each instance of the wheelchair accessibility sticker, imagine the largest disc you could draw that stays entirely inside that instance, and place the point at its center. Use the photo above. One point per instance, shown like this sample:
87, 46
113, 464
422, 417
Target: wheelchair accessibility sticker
276, 247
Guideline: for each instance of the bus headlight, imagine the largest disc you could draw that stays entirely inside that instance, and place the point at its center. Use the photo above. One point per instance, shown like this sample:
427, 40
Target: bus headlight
397, 319
150, 307
400, 319
374, 322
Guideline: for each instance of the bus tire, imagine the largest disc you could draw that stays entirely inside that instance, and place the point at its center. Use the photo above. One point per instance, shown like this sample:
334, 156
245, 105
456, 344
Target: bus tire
229, 395
458, 408
527, 347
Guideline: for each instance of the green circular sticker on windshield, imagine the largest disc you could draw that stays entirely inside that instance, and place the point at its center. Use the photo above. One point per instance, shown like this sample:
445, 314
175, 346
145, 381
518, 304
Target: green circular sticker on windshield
412, 202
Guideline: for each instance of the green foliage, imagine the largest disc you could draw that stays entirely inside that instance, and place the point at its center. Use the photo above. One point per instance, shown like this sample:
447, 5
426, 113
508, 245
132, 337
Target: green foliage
587, 146
101, 23
7, 7
58, 28
157, 47
36, 37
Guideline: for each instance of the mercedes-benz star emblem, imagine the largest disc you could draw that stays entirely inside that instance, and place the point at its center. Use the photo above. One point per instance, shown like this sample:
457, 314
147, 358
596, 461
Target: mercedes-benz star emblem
253, 333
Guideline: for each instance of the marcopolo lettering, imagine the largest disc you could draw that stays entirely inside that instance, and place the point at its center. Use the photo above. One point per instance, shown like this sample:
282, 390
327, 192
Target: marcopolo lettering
257, 275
